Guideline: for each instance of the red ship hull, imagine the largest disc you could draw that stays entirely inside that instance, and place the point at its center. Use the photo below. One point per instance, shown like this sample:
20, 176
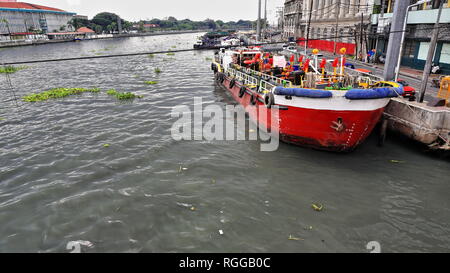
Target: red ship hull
337, 130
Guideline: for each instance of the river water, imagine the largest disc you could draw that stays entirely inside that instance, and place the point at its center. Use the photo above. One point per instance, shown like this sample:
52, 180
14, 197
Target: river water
147, 192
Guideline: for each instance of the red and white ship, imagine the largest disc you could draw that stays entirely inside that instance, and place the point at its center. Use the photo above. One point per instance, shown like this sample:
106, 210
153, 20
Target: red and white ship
314, 110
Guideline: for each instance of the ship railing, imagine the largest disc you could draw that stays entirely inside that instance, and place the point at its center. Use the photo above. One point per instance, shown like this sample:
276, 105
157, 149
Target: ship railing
267, 77
262, 85
266, 87
244, 78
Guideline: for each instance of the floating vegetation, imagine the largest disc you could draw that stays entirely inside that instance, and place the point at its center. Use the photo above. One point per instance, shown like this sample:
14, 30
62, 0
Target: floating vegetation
112, 92
123, 96
151, 82
295, 238
57, 93
127, 96
317, 207
106, 145
170, 54
151, 55
174, 46
396, 161
157, 70
11, 69
2, 118
208, 59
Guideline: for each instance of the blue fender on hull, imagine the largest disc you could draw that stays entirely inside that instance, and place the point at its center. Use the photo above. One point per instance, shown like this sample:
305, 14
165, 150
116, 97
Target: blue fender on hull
303, 92
374, 93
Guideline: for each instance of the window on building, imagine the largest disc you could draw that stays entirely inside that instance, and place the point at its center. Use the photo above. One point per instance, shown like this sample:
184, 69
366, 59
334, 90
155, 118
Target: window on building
445, 54
409, 49
423, 50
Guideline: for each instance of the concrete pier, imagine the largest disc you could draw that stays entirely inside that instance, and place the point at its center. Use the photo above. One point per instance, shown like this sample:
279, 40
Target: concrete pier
428, 125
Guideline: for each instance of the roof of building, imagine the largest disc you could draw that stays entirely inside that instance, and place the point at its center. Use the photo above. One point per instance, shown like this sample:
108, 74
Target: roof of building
28, 6
85, 30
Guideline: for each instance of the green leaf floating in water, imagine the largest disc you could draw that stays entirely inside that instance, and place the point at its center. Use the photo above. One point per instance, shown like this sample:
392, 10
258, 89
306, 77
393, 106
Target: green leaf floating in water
396, 161
294, 238
106, 145
151, 82
317, 207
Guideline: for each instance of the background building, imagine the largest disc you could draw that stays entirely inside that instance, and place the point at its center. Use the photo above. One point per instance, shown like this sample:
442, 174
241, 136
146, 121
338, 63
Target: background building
24, 18
421, 20
332, 24
292, 18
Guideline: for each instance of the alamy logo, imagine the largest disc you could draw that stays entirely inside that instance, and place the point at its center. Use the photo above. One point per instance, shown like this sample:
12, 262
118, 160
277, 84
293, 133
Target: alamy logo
213, 122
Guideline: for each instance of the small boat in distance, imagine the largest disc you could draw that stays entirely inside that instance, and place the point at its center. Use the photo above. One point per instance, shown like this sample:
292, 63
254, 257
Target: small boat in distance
216, 39
319, 105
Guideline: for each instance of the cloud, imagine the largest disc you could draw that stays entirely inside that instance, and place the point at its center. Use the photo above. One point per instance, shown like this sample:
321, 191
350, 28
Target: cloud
74, 2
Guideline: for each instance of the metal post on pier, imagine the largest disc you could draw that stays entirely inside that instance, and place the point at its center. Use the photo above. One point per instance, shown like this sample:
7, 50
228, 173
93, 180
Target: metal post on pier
395, 39
431, 51
258, 23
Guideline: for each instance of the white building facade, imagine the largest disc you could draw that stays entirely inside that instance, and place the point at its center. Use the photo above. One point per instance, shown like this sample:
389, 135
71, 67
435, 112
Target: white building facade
292, 18
25, 18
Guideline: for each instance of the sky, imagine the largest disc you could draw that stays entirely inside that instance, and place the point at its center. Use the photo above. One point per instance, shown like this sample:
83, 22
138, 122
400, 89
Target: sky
133, 10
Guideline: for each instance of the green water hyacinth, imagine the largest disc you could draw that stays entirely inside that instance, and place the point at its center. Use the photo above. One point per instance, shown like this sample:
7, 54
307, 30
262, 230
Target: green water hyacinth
151, 82
112, 92
57, 93
170, 54
157, 70
123, 96
11, 69
127, 96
